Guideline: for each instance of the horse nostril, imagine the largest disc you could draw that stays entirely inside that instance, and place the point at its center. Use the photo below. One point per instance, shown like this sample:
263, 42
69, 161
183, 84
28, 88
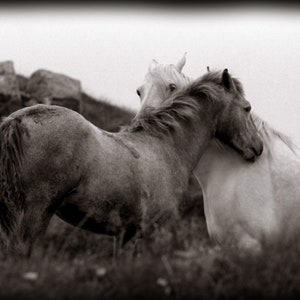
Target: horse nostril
259, 150
247, 108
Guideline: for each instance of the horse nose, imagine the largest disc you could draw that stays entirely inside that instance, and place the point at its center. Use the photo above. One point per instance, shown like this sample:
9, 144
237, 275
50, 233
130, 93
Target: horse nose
258, 150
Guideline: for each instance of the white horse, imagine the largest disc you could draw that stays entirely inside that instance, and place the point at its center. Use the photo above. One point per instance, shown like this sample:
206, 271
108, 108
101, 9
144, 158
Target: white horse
161, 80
246, 205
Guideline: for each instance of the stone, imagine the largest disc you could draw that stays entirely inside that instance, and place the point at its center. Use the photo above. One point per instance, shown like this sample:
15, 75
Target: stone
53, 88
7, 68
10, 98
22, 80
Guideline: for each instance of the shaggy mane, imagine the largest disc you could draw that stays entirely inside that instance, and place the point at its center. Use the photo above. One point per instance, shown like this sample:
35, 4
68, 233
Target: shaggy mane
267, 132
216, 77
157, 121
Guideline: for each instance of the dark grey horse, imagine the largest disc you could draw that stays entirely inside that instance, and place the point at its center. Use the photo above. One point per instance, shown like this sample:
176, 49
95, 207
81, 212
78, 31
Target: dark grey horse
54, 161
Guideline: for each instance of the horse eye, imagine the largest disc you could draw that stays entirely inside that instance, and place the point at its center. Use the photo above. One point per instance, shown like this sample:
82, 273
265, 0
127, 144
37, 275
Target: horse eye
138, 92
172, 87
248, 108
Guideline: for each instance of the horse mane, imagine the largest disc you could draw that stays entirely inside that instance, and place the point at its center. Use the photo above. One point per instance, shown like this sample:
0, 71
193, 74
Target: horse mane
216, 77
182, 106
158, 121
267, 133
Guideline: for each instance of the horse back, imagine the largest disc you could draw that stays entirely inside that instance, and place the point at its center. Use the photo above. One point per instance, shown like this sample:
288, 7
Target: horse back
52, 143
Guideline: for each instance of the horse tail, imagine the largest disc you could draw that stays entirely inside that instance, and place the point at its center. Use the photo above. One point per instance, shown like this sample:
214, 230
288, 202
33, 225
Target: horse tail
11, 191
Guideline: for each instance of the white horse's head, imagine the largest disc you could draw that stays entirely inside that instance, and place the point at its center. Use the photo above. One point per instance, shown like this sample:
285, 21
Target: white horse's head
160, 82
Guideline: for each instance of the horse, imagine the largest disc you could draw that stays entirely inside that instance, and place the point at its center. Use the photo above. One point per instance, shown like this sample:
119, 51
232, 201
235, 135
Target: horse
161, 80
53, 161
246, 205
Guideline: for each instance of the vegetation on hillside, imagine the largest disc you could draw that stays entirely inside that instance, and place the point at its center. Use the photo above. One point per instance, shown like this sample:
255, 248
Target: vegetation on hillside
105, 115
178, 263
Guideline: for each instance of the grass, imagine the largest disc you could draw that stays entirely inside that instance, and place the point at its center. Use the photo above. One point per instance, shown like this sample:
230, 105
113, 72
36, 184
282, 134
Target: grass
178, 263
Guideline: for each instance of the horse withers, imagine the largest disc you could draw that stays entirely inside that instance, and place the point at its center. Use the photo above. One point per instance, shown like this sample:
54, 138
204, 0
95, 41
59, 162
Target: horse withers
246, 205
55, 161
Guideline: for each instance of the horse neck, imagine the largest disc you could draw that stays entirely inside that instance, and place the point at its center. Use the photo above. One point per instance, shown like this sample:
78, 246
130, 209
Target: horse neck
190, 142
216, 159
219, 162
220, 159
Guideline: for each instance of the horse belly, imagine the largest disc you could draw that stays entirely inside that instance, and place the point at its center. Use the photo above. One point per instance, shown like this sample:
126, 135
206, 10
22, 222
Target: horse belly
78, 217
102, 211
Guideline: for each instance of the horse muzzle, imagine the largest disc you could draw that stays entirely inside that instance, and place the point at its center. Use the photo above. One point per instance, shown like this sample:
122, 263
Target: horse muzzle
250, 154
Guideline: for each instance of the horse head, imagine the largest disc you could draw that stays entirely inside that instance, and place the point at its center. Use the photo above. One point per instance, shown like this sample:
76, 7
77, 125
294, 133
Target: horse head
235, 126
161, 82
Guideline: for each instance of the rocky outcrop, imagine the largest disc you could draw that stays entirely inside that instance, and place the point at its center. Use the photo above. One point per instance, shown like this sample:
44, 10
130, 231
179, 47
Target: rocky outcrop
10, 98
17, 91
52, 88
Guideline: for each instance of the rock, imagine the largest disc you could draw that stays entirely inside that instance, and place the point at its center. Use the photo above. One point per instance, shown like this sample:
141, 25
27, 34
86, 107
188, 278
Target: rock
52, 88
10, 99
7, 68
23, 81
25, 97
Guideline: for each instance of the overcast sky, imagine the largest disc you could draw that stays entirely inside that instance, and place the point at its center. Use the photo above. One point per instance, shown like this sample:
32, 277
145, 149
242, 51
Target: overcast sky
109, 49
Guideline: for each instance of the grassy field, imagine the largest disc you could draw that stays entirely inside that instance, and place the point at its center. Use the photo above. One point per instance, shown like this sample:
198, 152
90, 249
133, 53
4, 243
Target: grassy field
179, 263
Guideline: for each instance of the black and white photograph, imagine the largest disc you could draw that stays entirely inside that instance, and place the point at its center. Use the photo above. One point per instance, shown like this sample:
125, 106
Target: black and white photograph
150, 150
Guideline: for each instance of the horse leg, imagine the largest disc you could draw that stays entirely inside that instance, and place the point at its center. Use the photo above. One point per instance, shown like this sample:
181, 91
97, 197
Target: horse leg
35, 221
130, 233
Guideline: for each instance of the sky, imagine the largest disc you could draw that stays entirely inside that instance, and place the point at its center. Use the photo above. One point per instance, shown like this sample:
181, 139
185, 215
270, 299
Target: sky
109, 49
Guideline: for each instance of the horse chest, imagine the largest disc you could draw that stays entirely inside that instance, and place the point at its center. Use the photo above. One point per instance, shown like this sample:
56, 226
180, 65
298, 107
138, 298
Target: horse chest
240, 209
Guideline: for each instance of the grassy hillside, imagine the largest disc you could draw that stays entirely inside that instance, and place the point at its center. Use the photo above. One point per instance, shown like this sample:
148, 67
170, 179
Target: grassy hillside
105, 115
179, 263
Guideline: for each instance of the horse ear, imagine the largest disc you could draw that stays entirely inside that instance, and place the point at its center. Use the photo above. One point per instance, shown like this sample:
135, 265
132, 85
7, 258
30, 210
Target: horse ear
152, 65
227, 80
181, 63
